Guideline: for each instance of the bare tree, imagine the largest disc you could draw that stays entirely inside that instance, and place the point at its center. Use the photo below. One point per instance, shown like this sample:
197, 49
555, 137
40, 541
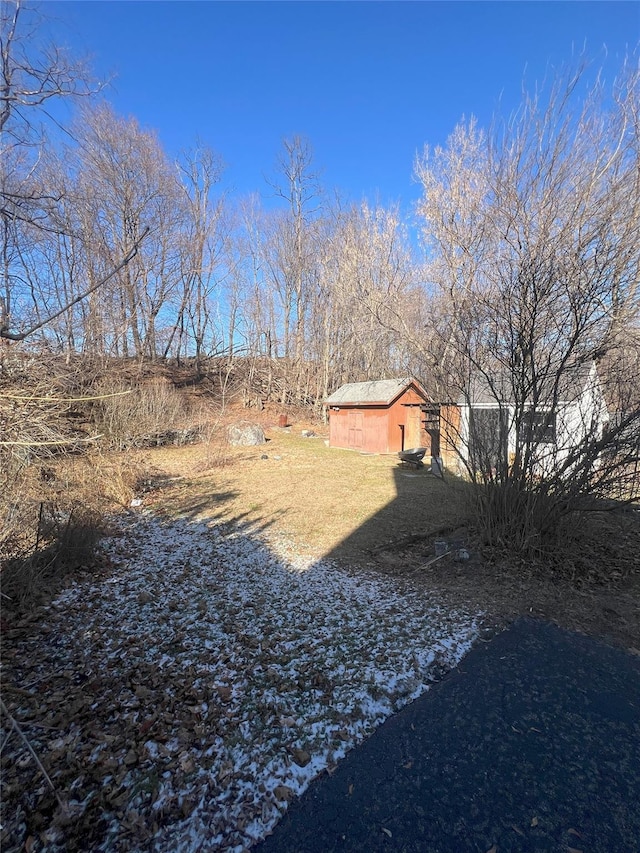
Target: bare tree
531, 232
127, 185
32, 75
368, 273
290, 249
7, 334
201, 251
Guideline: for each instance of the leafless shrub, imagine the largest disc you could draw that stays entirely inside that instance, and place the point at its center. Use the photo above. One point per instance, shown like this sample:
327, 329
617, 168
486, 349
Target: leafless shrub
105, 479
62, 538
52, 494
216, 447
144, 415
533, 229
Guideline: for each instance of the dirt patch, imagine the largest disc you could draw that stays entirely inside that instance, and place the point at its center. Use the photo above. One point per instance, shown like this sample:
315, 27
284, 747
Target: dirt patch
504, 591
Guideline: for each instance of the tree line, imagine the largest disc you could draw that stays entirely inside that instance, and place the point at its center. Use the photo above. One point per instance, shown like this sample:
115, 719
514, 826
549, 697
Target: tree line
213, 275
528, 260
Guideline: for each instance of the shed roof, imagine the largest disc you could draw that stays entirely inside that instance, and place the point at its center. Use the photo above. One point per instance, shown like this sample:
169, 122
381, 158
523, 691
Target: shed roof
380, 392
499, 388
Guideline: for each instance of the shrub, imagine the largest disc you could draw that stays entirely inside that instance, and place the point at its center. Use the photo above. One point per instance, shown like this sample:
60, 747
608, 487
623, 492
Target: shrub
145, 415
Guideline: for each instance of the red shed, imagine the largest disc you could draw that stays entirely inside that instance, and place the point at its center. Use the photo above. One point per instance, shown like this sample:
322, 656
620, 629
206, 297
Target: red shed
378, 417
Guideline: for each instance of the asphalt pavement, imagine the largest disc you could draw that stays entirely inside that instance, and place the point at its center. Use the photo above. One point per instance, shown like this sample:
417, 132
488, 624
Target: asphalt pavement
531, 744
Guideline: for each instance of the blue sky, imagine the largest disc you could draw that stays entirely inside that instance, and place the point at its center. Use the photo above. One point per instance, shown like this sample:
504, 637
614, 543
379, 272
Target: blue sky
368, 83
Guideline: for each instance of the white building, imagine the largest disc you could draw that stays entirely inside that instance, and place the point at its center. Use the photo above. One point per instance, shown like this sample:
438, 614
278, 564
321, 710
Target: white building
566, 412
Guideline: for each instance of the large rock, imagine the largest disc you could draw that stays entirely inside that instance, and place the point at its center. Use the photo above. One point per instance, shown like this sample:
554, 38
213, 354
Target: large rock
245, 435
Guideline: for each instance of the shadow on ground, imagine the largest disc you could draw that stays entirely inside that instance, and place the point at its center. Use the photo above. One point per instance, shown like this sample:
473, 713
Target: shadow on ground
425, 507
399, 541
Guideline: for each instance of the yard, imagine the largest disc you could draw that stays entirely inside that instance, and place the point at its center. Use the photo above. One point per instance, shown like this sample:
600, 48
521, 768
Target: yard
327, 501
366, 511
219, 659
253, 615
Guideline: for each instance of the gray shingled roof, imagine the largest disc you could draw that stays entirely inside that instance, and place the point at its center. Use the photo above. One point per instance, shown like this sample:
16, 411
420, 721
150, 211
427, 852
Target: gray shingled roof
382, 392
571, 385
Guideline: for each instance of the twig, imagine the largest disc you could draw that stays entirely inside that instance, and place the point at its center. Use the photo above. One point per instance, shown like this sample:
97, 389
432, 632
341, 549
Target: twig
5, 741
46, 677
19, 690
434, 560
20, 336
53, 442
64, 399
39, 527
18, 730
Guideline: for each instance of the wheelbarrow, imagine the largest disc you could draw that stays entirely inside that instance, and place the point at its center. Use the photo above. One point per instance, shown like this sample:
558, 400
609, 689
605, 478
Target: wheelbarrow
412, 458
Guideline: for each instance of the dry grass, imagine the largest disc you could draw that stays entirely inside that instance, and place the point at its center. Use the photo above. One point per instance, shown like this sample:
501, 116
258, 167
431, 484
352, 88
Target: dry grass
365, 510
53, 513
327, 501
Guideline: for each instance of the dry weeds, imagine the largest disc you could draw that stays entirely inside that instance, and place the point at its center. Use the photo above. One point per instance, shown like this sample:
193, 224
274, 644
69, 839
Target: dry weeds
364, 510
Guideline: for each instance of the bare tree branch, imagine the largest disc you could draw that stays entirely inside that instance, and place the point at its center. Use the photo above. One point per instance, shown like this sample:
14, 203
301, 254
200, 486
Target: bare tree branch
20, 336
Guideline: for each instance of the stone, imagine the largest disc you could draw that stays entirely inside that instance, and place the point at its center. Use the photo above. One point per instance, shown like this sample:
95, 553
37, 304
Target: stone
245, 435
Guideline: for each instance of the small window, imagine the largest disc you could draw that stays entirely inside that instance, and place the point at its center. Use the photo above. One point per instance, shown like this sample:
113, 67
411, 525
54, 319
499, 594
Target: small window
539, 427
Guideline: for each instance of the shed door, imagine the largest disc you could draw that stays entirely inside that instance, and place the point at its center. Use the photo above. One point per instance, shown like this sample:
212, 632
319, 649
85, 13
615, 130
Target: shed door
487, 439
356, 430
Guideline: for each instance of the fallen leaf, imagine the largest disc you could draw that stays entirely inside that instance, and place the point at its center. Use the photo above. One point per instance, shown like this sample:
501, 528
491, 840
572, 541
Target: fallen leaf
224, 692
350, 790
187, 807
517, 829
148, 724
387, 832
283, 792
534, 821
408, 765
301, 757
574, 850
131, 758
573, 831
493, 849
118, 797
187, 763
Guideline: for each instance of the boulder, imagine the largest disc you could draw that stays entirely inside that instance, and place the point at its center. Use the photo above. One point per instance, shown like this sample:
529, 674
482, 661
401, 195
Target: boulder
245, 435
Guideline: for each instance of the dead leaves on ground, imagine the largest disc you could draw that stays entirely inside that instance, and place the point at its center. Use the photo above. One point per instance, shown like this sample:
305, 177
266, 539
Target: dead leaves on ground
106, 742
155, 716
